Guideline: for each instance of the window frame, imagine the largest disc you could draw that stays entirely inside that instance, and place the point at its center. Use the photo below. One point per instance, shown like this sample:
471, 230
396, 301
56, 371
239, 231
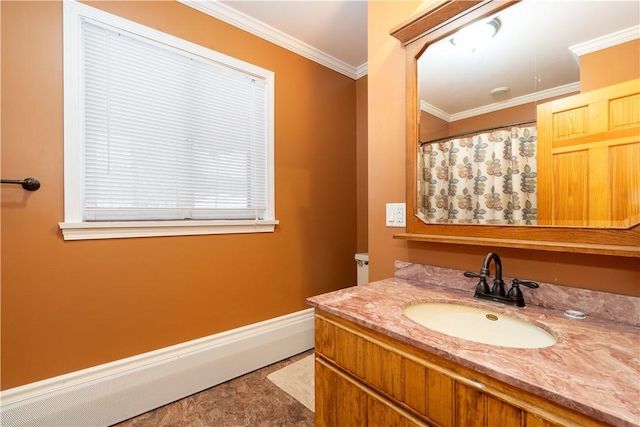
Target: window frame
74, 227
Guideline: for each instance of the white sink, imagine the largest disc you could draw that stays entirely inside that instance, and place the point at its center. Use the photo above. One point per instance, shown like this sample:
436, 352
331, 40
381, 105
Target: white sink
479, 325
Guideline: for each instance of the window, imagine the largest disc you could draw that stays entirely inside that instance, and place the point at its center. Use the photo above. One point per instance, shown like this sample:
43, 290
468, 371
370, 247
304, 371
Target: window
162, 136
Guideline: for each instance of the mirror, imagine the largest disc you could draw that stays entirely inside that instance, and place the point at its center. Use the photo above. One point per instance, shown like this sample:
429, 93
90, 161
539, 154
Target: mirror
472, 167
442, 20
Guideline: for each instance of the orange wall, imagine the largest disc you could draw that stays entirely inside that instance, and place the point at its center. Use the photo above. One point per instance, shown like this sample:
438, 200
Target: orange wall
387, 176
610, 66
495, 118
432, 127
362, 165
72, 305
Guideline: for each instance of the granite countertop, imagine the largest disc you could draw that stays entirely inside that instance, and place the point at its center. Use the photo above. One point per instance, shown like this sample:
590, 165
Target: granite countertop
594, 368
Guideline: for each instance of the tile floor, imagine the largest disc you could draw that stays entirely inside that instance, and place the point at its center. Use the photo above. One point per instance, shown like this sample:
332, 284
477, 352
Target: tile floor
250, 400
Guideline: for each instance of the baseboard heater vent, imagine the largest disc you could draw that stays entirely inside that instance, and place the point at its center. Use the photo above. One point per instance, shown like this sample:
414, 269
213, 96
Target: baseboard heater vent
111, 393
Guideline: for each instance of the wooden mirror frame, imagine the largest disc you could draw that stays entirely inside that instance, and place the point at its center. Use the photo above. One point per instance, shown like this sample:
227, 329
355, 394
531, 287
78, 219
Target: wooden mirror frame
417, 33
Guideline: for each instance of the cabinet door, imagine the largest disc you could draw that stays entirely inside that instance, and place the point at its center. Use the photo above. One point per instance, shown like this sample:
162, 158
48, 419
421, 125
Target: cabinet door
350, 407
534, 421
341, 401
470, 407
380, 414
326, 389
588, 152
338, 401
440, 398
415, 386
500, 413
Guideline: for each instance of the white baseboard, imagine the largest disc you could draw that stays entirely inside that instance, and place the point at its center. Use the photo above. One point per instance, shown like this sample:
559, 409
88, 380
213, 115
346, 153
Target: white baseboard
107, 394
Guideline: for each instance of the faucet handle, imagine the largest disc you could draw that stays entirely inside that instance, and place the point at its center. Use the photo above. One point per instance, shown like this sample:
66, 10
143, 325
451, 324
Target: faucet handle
516, 294
472, 274
482, 286
527, 283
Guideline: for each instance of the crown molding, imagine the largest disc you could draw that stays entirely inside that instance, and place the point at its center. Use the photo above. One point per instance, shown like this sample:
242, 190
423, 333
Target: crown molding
240, 20
533, 97
362, 70
604, 42
435, 111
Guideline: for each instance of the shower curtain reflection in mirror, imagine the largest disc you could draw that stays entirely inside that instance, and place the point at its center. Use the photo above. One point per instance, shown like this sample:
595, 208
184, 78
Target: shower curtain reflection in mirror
487, 178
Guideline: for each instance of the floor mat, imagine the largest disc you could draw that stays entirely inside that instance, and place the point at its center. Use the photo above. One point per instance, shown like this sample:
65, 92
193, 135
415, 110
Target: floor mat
297, 379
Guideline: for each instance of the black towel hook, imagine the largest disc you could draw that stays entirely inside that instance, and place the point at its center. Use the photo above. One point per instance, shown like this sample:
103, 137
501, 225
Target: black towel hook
29, 184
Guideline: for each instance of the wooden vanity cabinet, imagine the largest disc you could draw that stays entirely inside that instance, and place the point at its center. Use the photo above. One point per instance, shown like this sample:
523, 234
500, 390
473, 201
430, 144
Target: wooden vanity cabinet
365, 378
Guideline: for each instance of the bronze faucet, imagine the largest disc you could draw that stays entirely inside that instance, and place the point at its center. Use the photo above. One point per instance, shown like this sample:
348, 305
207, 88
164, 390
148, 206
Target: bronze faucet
497, 292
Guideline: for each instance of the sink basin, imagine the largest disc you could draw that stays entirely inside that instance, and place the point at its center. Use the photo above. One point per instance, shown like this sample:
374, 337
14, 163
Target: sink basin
479, 325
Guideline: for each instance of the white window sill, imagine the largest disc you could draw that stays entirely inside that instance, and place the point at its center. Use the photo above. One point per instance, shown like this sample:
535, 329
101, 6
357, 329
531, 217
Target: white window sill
130, 229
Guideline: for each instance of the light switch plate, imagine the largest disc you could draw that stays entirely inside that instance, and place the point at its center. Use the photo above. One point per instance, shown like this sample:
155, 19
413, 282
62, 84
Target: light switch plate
396, 216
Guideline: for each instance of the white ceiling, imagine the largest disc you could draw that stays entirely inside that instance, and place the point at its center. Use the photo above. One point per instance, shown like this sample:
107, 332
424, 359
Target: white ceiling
330, 32
535, 53
335, 27
334, 33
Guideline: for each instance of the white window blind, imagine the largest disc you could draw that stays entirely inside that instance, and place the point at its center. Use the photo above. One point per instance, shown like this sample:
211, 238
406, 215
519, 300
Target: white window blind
169, 135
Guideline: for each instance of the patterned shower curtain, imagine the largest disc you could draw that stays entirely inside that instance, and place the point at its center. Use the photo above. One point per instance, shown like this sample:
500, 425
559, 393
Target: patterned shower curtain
488, 178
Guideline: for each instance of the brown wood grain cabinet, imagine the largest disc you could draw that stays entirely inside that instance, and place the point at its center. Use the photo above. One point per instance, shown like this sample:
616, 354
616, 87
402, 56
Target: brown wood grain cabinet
365, 378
